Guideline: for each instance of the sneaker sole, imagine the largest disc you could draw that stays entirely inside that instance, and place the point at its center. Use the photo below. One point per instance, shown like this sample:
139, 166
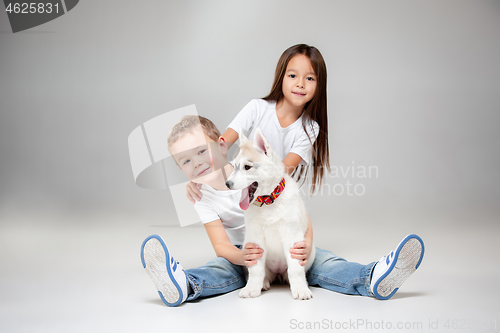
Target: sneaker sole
407, 259
155, 258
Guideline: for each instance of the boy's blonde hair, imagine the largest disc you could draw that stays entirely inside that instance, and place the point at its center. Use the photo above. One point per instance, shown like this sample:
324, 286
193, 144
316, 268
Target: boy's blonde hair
186, 125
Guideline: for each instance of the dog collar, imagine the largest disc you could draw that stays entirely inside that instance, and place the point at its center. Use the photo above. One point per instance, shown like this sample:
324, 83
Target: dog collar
269, 199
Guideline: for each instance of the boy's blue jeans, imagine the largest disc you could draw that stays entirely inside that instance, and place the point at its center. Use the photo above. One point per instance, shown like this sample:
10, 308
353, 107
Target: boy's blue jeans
328, 271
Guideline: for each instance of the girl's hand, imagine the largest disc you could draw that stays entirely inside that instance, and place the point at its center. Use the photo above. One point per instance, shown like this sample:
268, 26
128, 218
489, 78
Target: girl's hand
251, 252
301, 251
193, 192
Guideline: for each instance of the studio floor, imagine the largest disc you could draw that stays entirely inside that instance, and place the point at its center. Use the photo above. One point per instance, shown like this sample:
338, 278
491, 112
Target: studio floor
86, 276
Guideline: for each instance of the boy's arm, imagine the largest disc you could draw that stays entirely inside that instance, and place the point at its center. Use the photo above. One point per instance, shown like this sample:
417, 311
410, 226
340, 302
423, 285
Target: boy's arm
223, 247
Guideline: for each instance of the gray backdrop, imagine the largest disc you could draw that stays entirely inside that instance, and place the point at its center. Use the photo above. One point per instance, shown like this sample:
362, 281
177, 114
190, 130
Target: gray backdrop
413, 91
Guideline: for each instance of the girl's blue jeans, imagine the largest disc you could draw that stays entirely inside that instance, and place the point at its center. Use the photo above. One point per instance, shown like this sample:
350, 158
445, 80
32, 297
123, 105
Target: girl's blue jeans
328, 271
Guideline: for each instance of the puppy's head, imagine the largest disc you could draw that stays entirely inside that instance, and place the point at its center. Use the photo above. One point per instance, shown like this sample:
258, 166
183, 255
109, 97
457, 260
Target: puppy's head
256, 169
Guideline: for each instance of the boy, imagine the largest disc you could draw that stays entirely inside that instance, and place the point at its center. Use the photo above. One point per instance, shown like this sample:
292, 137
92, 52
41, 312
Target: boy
200, 152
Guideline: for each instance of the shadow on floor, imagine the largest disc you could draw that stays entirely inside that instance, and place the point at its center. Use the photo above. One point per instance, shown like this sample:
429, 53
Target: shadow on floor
402, 294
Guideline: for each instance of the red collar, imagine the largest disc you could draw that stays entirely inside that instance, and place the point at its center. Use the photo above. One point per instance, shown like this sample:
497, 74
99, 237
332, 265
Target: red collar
269, 199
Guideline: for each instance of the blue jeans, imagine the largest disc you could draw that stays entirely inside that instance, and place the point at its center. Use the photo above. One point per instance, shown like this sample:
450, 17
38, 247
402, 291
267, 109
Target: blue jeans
328, 271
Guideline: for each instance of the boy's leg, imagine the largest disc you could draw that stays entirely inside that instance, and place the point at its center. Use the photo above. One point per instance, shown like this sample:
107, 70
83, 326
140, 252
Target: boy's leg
392, 270
166, 273
176, 285
218, 276
380, 279
337, 274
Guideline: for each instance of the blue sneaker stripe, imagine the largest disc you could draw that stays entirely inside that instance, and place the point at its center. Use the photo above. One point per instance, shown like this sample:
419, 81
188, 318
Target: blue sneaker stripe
389, 257
423, 249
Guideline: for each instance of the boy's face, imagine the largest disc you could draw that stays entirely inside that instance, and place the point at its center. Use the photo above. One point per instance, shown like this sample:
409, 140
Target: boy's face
198, 156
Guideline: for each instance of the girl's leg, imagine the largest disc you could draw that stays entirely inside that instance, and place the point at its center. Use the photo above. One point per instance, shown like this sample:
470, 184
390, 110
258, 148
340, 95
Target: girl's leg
337, 274
218, 276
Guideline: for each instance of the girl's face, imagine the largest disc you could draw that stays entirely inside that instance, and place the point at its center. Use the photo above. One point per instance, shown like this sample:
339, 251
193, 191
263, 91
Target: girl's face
299, 82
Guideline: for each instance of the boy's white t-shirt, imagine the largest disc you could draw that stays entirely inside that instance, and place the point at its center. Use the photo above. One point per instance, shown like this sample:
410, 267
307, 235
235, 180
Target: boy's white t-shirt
223, 205
292, 139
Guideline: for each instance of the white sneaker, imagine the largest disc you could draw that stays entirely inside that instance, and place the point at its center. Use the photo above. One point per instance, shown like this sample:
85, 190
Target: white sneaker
392, 270
166, 273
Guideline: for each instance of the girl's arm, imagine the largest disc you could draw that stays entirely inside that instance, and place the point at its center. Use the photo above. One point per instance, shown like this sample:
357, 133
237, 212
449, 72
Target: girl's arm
231, 136
223, 247
291, 160
194, 194
302, 250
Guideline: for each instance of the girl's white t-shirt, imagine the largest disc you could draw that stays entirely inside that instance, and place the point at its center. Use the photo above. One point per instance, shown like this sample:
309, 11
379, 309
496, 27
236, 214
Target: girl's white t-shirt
259, 113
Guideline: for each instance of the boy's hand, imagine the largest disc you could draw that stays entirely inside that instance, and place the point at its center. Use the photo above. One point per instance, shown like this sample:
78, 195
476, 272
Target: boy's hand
251, 252
193, 192
301, 251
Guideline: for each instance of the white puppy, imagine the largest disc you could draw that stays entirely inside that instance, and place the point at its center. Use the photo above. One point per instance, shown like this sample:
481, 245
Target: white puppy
275, 217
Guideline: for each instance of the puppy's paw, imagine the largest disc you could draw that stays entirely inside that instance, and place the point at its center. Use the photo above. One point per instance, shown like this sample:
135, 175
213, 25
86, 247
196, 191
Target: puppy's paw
302, 293
248, 292
267, 284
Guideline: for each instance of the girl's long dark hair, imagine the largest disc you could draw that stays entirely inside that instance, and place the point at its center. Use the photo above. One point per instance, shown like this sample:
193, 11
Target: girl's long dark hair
315, 109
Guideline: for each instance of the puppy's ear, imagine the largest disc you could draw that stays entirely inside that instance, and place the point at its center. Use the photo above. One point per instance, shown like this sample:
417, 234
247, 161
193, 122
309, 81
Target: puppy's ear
242, 136
261, 144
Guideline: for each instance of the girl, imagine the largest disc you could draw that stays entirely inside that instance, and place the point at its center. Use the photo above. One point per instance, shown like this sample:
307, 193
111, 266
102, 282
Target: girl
293, 116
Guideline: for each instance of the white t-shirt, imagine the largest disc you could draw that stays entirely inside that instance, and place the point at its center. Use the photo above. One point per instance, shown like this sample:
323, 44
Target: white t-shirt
292, 139
223, 205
